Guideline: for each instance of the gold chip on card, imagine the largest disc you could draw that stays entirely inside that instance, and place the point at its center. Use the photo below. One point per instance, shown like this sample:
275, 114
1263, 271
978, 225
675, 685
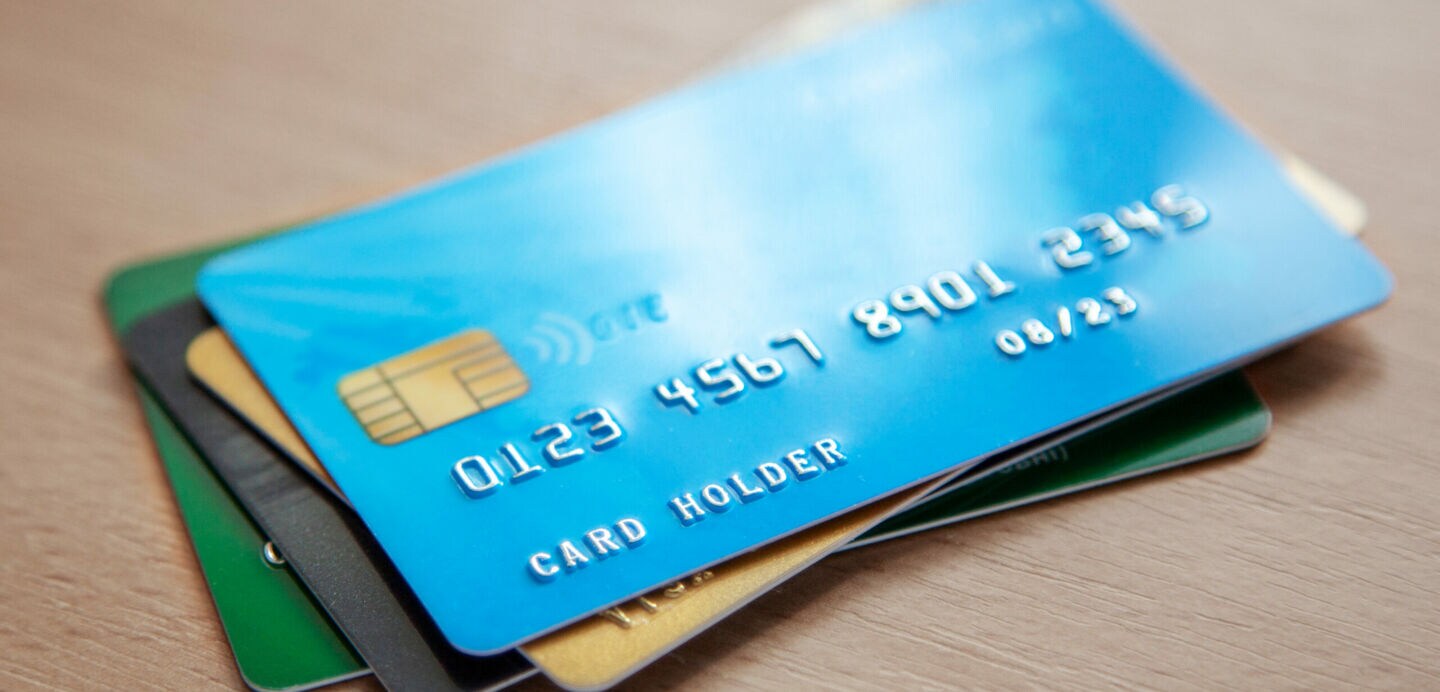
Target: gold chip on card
432, 386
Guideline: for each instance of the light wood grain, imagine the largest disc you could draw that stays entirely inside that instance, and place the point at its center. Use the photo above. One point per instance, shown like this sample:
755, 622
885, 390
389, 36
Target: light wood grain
133, 129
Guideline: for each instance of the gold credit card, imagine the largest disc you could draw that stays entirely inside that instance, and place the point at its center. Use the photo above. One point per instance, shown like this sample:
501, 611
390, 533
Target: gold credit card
600, 651
431, 386
604, 649
213, 360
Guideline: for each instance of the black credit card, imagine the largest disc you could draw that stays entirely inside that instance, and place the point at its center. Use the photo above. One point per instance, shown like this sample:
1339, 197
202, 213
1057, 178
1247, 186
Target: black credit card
326, 544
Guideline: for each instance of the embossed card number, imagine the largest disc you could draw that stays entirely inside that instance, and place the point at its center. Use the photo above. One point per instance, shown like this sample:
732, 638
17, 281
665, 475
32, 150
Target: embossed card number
948, 292
478, 476
716, 375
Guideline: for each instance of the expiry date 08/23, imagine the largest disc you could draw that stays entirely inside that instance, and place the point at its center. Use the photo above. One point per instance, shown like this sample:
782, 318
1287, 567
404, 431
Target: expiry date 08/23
1089, 312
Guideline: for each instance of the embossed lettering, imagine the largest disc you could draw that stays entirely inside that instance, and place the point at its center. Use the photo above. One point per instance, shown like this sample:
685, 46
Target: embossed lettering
687, 509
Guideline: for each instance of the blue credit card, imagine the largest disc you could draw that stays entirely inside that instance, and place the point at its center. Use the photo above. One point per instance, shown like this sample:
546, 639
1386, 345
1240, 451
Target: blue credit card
623, 354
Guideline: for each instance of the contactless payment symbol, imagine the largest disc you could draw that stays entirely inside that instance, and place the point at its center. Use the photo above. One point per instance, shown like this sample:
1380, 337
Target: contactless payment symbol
432, 386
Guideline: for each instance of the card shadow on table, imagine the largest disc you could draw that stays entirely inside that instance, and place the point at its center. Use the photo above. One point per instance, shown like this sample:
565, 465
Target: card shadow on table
1313, 372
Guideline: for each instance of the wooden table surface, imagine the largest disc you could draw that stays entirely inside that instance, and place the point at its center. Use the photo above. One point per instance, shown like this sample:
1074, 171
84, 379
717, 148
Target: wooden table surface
129, 129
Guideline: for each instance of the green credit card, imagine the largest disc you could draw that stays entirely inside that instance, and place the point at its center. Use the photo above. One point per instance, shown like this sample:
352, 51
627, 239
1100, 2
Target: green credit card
281, 639
1220, 416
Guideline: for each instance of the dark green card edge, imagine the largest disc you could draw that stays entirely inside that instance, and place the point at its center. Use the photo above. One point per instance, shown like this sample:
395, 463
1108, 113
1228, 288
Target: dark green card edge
1219, 417
280, 638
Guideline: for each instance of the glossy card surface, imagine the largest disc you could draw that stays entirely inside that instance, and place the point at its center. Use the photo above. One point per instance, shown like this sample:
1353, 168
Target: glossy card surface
863, 266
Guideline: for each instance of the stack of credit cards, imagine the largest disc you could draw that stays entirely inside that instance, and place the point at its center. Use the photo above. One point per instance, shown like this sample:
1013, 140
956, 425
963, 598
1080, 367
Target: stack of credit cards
564, 410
